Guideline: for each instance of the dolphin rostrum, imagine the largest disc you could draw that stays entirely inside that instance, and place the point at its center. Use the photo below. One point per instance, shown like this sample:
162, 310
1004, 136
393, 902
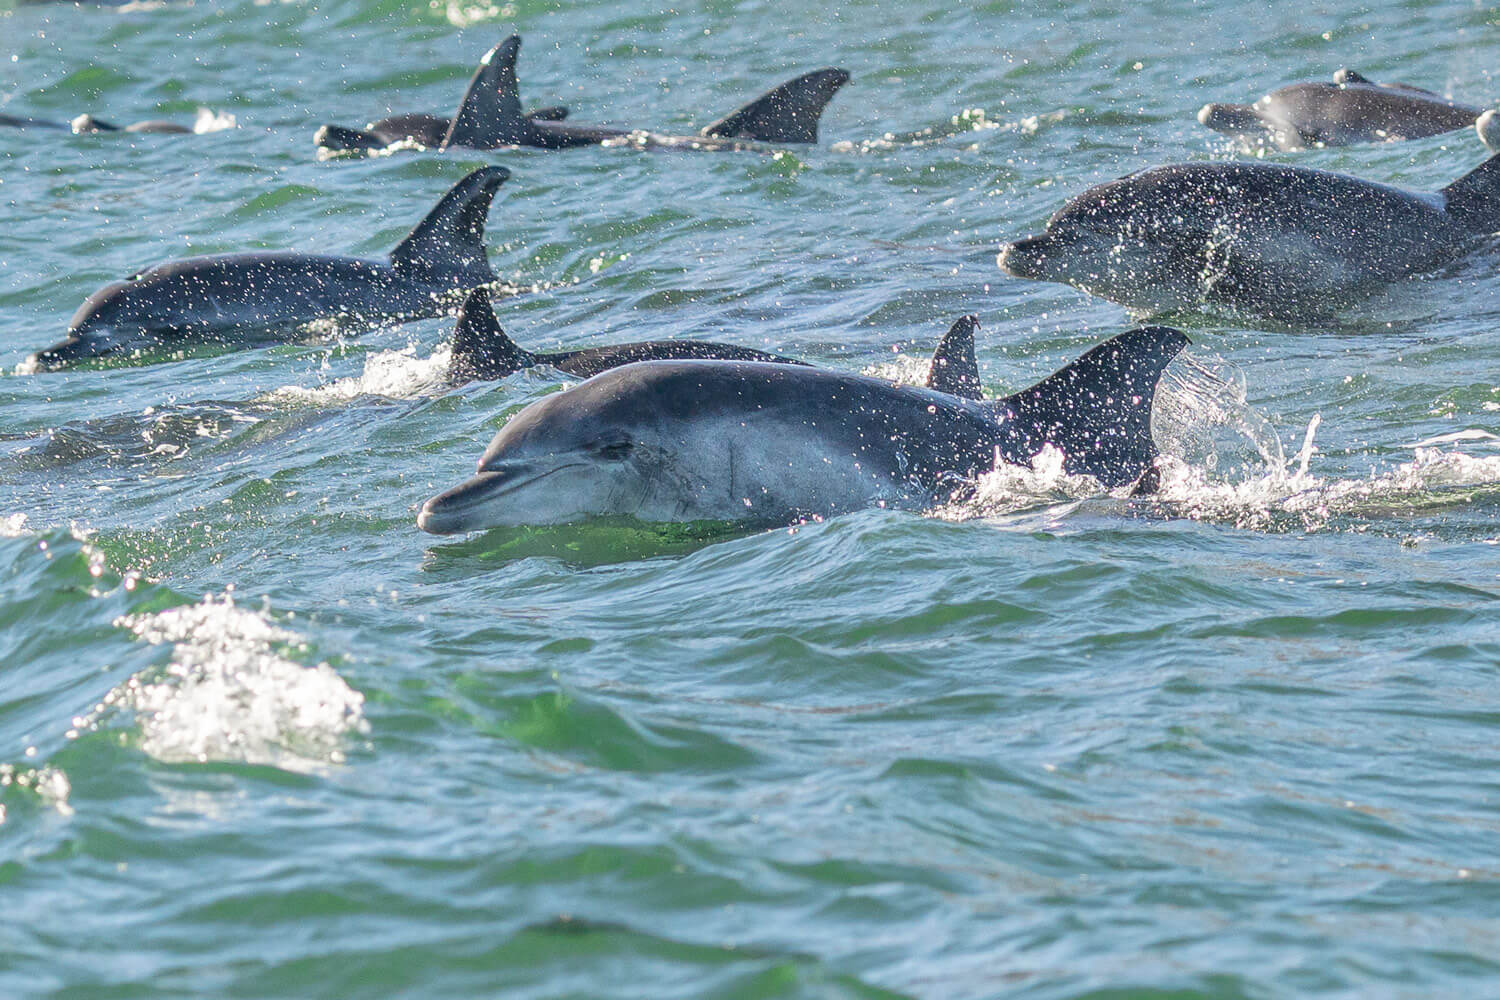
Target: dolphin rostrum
1265, 239
257, 297
764, 444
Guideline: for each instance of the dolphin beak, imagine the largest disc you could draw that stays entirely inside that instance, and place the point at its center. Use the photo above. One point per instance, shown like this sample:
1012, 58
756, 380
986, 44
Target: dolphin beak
469, 506
61, 354
1230, 119
1488, 127
1025, 258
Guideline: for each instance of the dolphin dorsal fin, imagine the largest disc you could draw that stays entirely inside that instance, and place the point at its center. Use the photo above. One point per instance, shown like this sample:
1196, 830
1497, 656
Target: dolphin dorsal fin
789, 113
490, 114
449, 242
551, 113
1347, 76
1474, 199
481, 350
1098, 409
955, 370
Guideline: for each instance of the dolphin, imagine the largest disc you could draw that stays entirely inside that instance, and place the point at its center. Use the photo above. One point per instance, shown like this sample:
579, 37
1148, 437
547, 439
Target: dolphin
1488, 127
764, 444
262, 296
490, 116
482, 351
424, 129
1346, 112
1265, 239
85, 124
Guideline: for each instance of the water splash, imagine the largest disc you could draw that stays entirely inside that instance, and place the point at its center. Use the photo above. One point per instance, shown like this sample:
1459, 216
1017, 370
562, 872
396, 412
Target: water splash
398, 374
49, 784
208, 120
229, 693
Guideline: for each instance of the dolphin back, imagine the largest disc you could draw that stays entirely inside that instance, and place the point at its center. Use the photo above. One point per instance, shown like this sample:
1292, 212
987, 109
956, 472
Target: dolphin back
449, 243
1097, 410
788, 113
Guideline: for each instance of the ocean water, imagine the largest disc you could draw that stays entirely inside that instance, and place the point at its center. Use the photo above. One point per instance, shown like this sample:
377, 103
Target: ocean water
261, 737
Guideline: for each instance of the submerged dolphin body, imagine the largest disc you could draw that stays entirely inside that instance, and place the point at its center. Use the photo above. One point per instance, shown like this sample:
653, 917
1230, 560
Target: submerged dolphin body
88, 123
254, 297
424, 129
1259, 238
483, 352
764, 444
490, 117
1348, 111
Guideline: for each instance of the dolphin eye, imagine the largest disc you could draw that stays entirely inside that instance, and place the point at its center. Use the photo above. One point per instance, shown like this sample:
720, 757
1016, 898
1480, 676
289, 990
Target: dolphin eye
613, 451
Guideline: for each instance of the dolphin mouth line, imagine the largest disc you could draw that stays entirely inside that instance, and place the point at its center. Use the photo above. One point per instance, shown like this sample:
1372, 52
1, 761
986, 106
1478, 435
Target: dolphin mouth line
471, 498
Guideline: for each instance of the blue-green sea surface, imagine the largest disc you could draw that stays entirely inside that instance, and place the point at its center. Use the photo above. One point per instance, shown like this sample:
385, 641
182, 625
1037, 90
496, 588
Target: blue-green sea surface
261, 737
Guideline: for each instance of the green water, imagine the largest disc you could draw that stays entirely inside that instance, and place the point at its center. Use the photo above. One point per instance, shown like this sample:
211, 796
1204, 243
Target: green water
260, 737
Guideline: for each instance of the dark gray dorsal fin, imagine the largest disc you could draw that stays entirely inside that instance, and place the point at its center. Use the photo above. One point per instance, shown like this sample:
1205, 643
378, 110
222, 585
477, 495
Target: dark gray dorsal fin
449, 242
481, 350
788, 113
1097, 410
1474, 199
955, 370
554, 113
490, 114
1347, 76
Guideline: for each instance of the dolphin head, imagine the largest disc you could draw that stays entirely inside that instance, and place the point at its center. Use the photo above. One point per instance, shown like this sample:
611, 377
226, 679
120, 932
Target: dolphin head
1238, 121
99, 327
593, 450
1488, 127
1111, 241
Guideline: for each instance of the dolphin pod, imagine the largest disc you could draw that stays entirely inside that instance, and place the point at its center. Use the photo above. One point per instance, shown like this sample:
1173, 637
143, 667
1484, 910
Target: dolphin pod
1350, 110
490, 117
765, 444
254, 297
1258, 238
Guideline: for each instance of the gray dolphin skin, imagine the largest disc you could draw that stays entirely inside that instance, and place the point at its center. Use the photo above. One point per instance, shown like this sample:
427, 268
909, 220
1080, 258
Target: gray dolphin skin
1488, 127
1264, 239
86, 124
766, 444
483, 352
259, 297
490, 117
1349, 111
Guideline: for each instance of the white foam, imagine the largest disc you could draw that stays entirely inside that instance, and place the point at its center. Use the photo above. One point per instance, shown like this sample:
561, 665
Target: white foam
48, 783
208, 120
12, 525
228, 692
393, 374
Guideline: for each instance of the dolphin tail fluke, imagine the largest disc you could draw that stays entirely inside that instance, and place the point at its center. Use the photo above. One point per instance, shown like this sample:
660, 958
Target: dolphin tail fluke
1474, 199
787, 114
481, 350
449, 242
490, 114
955, 370
1097, 410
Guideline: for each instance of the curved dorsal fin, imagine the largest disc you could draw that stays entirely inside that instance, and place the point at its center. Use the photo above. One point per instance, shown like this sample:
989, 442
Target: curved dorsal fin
481, 350
450, 240
490, 114
789, 113
955, 370
1097, 411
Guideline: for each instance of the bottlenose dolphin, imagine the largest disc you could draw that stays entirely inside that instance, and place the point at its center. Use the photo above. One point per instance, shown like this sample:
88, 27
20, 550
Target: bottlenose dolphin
424, 129
763, 444
490, 116
1350, 110
88, 123
1488, 127
483, 352
1266, 239
263, 296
